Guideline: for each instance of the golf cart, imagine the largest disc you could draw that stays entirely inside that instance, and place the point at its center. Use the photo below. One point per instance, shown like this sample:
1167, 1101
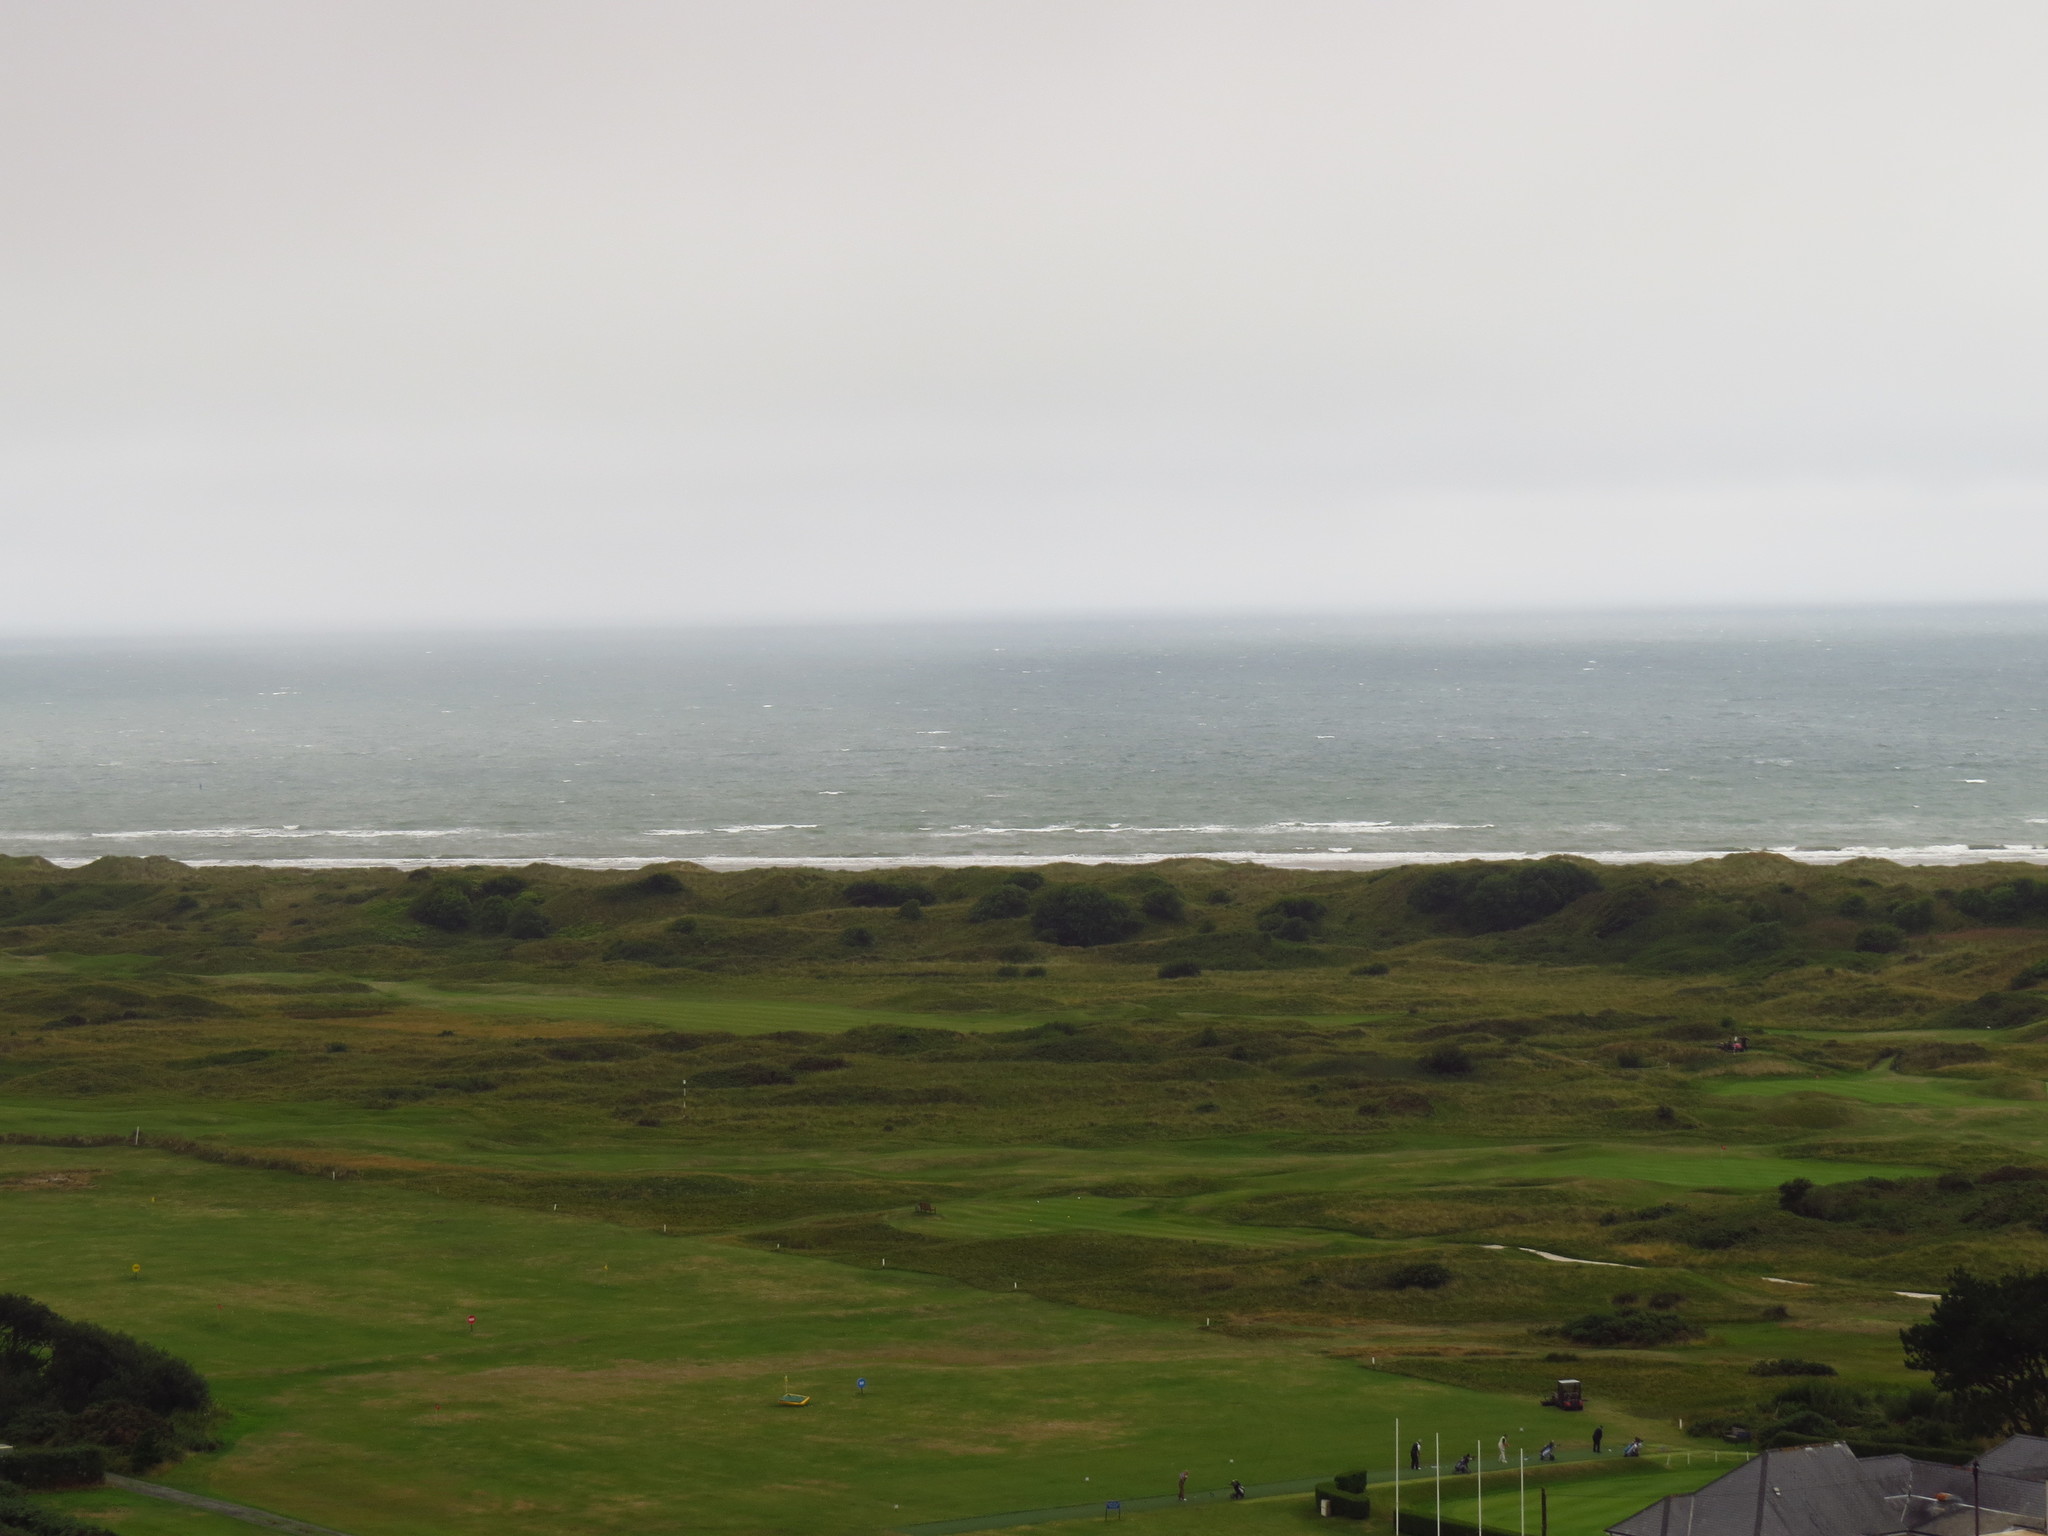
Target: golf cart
1567, 1396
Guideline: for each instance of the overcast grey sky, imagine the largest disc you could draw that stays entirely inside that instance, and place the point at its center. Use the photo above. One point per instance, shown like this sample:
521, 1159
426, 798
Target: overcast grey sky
501, 311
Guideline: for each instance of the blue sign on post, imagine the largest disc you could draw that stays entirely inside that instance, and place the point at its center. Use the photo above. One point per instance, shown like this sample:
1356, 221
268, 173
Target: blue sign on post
860, 1384
1113, 1507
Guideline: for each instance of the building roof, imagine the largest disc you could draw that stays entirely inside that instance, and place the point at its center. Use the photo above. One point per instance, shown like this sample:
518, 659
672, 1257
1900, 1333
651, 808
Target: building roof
2021, 1456
1827, 1490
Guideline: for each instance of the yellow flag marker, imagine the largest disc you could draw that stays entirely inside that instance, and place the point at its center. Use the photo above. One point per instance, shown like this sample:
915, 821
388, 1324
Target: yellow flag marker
137, 1268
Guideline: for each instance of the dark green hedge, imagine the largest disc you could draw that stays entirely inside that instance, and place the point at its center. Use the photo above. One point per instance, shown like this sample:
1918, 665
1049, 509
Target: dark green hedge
29, 1518
53, 1466
1344, 1503
1427, 1525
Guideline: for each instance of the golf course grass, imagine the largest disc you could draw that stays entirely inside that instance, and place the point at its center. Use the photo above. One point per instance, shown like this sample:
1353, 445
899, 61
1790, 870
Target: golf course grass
330, 1317
136, 1514
1080, 1220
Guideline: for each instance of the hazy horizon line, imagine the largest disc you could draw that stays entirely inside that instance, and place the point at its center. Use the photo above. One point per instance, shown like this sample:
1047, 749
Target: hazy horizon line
1660, 616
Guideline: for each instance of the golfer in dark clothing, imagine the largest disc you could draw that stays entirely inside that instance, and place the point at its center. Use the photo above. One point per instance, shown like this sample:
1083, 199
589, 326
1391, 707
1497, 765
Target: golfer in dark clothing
1236, 1489
1464, 1463
1415, 1457
1549, 1451
1599, 1432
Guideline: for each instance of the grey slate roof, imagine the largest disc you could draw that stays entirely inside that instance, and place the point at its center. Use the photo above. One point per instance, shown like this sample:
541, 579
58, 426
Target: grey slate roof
2021, 1456
1826, 1490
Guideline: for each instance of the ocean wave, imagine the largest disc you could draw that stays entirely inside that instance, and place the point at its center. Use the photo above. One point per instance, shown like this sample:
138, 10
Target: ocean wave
1217, 829
229, 834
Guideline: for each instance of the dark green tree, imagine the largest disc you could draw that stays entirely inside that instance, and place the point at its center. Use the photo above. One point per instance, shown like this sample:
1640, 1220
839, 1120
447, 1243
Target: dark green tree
1795, 1195
1294, 918
445, 905
1913, 916
1164, 904
527, 921
1757, 940
82, 1384
1986, 1343
1079, 916
1004, 901
886, 893
1494, 899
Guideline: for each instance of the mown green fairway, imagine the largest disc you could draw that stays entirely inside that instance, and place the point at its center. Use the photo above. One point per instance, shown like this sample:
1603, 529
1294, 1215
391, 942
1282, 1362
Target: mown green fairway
618, 1379
136, 1514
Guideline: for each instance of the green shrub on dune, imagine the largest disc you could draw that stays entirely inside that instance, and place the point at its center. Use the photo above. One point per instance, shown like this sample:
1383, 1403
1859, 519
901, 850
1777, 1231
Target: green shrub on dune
1082, 916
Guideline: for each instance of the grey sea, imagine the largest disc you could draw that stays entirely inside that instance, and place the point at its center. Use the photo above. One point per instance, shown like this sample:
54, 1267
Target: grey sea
1917, 736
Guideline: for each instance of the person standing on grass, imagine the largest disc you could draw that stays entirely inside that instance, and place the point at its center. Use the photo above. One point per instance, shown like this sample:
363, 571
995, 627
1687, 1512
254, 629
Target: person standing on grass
1415, 1457
1549, 1451
1183, 1494
1599, 1431
1503, 1444
1236, 1489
